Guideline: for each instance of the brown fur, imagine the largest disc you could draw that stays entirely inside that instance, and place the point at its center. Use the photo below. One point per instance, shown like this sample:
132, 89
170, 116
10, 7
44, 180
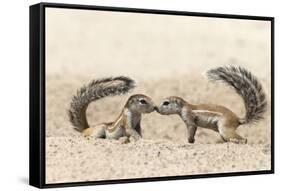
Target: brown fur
214, 117
217, 117
127, 124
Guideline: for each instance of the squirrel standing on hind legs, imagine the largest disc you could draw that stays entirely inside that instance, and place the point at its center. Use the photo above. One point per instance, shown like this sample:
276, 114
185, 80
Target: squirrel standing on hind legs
217, 117
126, 125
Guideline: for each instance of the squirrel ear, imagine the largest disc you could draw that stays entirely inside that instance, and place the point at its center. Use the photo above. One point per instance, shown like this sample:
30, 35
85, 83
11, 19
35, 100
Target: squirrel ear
179, 102
128, 102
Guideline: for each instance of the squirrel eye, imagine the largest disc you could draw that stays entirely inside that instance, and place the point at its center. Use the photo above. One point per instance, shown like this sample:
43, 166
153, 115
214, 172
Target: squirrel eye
166, 103
142, 101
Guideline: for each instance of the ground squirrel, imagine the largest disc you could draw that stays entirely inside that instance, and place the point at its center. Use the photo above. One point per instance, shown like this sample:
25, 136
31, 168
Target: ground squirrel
217, 117
126, 125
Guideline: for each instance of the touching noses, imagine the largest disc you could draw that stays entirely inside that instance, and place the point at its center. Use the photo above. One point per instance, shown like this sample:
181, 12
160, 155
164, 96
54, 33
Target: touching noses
156, 108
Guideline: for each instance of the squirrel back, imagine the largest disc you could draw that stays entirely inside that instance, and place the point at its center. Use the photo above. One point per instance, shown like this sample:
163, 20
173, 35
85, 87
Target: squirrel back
94, 91
247, 86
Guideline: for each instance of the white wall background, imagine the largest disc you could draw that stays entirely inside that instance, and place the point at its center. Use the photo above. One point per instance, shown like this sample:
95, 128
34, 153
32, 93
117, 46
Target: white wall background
14, 39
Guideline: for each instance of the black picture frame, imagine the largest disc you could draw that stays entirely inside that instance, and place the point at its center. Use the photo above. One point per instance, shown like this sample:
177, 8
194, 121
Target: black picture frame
37, 93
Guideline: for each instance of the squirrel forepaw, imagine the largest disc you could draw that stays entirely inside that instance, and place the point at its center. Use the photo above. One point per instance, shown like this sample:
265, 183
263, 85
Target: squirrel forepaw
124, 140
191, 140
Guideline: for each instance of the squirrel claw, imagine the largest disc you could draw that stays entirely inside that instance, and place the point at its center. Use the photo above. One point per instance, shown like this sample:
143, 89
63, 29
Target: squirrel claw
238, 141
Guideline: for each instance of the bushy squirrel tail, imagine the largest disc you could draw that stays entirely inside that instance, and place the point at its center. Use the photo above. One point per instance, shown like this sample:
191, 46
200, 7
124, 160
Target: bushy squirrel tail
94, 91
247, 86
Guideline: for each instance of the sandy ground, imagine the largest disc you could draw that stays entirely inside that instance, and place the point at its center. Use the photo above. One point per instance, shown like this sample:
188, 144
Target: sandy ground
80, 159
163, 64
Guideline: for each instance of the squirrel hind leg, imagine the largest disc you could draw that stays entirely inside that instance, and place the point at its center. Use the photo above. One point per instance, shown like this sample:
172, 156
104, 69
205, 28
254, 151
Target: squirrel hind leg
229, 134
95, 132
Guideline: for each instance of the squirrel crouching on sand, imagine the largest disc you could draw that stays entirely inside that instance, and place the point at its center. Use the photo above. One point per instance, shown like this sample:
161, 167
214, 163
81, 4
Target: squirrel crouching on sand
217, 117
126, 126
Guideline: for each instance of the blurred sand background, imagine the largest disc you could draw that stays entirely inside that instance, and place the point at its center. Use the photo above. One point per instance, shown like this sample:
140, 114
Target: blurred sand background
166, 55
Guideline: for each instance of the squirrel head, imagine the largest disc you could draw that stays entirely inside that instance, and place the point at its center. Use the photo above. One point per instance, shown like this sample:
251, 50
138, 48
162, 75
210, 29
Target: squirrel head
140, 104
171, 105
